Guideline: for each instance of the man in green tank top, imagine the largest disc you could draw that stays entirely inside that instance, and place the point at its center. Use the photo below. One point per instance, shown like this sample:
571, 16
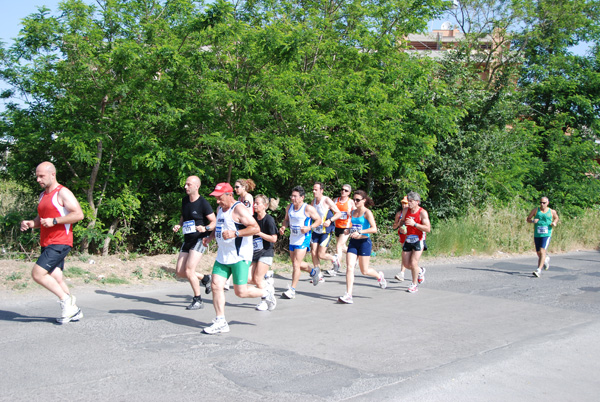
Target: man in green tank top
544, 219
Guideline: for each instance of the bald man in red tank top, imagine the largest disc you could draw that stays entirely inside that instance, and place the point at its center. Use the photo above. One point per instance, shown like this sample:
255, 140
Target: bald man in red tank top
58, 210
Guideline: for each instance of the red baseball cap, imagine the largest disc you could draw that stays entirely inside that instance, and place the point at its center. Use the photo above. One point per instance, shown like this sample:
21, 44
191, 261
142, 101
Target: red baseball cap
221, 189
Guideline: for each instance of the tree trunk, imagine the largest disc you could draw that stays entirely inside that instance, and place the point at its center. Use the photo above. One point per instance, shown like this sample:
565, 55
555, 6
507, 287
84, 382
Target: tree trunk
111, 231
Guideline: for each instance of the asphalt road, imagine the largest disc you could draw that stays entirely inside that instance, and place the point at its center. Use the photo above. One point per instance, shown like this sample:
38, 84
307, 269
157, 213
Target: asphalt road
477, 330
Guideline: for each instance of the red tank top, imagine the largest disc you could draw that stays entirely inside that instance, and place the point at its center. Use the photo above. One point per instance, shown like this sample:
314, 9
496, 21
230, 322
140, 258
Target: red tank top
411, 230
402, 235
48, 207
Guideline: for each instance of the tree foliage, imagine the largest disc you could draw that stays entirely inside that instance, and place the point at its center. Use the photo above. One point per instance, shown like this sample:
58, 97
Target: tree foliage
129, 97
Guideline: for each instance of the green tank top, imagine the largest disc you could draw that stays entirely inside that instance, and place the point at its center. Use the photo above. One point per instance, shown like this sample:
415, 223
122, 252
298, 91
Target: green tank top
543, 227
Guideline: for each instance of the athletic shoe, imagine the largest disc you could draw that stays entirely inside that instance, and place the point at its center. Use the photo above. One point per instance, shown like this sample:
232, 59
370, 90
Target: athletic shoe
537, 272
196, 304
262, 306
399, 276
346, 299
270, 299
218, 326
412, 288
421, 277
336, 263
206, 279
269, 278
227, 284
289, 294
331, 272
382, 281
317, 275
321, 278
547, 263
69, 311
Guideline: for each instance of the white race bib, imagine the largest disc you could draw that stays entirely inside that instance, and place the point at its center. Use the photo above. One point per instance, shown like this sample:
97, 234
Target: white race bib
356, 227
542, 230
412, 239
218, 232
189, 227
257, 243
295, 230
344, 215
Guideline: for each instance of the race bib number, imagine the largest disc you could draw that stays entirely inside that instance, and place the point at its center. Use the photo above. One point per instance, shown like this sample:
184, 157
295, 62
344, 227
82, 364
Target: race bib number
542, 230
344, 215
296, 230
318, 229
258, 244
189, 227
355, 227
412, 239
219, 232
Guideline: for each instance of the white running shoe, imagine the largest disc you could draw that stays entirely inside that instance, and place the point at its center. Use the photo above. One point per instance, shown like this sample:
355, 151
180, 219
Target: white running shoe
218, 326
331, 272
270, 299
382, 281
537, 272
412, 288
336, 263
421, 277
399, 276
262, 306
547, 263
289, 294
317, 274
69, 311
346, 299
227, 284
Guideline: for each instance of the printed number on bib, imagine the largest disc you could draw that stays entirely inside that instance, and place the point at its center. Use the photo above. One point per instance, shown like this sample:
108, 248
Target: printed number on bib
258, 244
356, 227
219, 232
542, 229
295, 230
344, 215
189, 227
412, 239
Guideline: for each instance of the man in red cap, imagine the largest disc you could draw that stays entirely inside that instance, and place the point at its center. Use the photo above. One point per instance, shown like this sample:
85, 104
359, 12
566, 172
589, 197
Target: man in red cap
234, 230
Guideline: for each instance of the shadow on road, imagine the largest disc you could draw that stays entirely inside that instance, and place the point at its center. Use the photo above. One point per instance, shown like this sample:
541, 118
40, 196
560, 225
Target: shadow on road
12, 316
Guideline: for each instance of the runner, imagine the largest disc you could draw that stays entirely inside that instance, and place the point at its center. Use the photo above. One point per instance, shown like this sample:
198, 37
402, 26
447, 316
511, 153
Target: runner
260, 275
544, 219
234, 231
402, 235
301, 218
58, 210
242, 189
360, 246
345, 205
197, 220
416, 220
321, 235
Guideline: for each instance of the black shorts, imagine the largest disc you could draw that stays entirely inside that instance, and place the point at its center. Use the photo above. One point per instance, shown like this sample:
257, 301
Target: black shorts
418, 246
339, 231
194, 245
53, 256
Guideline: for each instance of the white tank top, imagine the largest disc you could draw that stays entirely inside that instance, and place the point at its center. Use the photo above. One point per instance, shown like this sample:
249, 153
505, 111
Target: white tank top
233, 250
297, 220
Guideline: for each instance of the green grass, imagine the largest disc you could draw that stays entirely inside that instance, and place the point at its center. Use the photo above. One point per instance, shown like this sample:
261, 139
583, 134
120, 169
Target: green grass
14, 276
138, 273
491, 230
113, 280
76, 272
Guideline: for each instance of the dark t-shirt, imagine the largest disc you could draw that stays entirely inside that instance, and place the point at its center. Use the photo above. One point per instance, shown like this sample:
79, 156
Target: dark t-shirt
196, 211
267, 226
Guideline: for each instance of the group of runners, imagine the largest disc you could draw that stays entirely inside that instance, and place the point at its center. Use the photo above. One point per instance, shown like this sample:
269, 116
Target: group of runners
245, 234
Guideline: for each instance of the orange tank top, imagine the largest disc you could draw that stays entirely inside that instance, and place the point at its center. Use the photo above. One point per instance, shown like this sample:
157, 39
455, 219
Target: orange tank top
344, 207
